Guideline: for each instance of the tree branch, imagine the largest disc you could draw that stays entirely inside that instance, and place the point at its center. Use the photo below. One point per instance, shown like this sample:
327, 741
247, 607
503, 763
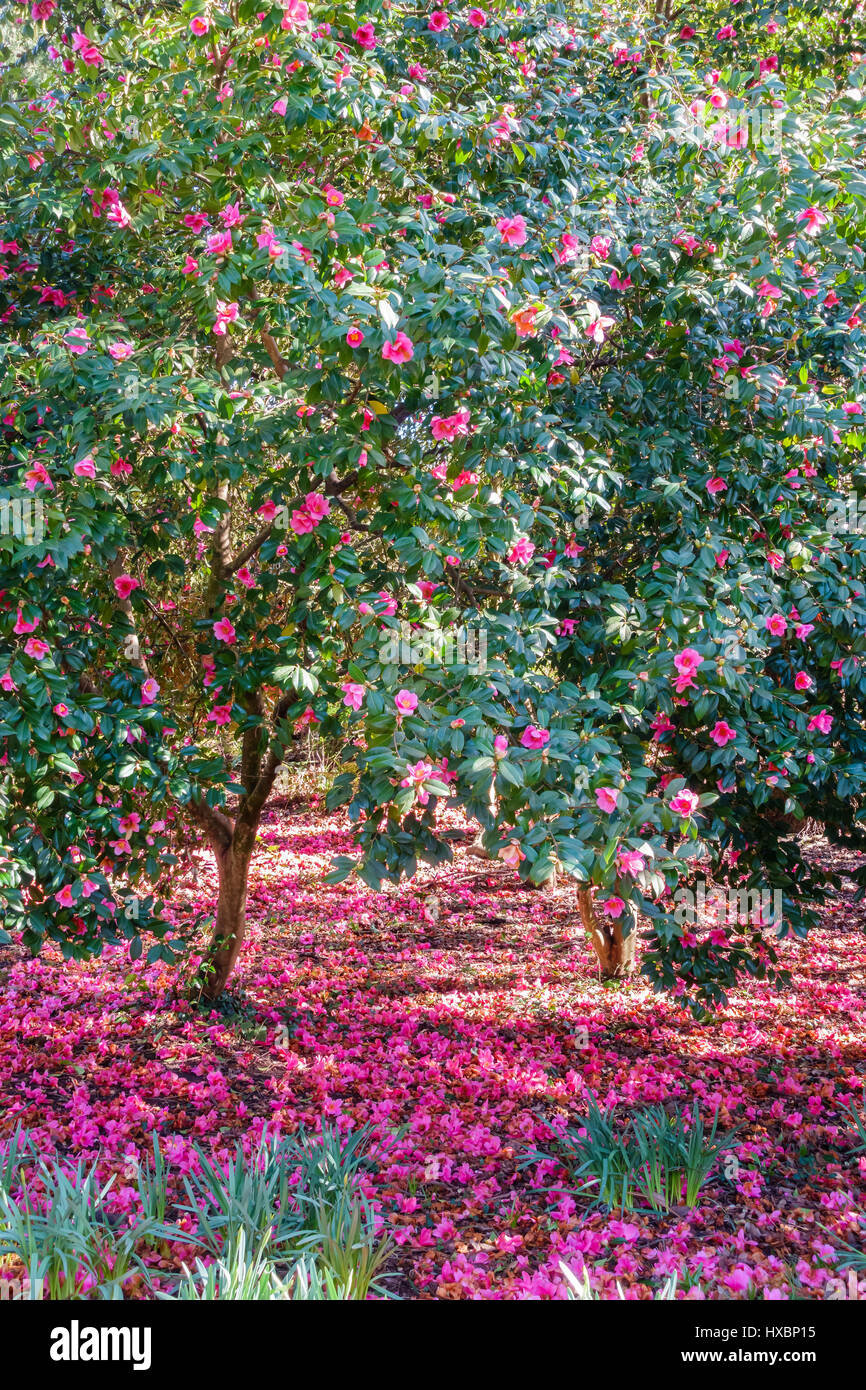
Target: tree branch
218, 827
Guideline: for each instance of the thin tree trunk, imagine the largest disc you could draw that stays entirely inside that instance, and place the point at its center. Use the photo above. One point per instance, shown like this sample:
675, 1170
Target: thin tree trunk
233, 866
617, 954
232, 844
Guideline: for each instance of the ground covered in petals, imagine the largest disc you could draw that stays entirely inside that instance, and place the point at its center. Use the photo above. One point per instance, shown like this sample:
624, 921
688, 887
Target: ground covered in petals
461, 1016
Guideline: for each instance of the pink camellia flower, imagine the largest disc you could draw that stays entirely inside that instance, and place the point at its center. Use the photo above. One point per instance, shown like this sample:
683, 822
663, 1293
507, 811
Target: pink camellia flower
64, 897
267, 241
120, 351
600, 246
199, 25
82, 45
687, 661
613, 907
365, 36
823, 722
511, 854
149, 691
280, 106
354, 337
803, 681
77, 340
597, 328
190, 266
769, 294
244, 576
814, 219
534, 737
775, 560
406, 701
448, 427
569, 248
685, 803
219, 244
739, 1280
35, 647
688, 242
224, 631
466, 479
60, 710
521, 552
606, 798
630, 862
438, 21
295, 13
196, 221
662, 725
85, 468
220, 714
333, 197
776, 624
477, 18
36, 475
401, 350
722, 733
226, 314
716, 485
416, 775
124, 585
353, 694
24, 625
317, 506
500, 745
852, 408
301, 523
512, 230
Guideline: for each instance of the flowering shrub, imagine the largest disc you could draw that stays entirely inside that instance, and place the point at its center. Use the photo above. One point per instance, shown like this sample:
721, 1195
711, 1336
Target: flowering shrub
543, 324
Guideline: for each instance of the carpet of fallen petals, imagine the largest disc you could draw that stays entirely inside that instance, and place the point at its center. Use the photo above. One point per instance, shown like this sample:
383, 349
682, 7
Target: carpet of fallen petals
462, 1011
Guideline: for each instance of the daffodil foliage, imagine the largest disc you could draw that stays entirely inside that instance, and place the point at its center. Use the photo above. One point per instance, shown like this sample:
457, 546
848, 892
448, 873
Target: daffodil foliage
481, 387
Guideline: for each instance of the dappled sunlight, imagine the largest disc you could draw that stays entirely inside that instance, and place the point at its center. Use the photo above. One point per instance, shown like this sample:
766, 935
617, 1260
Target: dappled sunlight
464, 1011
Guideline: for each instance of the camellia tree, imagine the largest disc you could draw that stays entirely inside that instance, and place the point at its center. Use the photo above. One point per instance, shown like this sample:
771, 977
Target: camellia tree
481, 385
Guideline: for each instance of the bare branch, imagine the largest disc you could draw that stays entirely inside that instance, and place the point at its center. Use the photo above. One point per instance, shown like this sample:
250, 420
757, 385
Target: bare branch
281, 366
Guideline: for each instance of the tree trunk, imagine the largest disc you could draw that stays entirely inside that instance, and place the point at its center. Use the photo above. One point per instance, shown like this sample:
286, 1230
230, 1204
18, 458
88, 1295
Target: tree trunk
233, 865
617, 954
